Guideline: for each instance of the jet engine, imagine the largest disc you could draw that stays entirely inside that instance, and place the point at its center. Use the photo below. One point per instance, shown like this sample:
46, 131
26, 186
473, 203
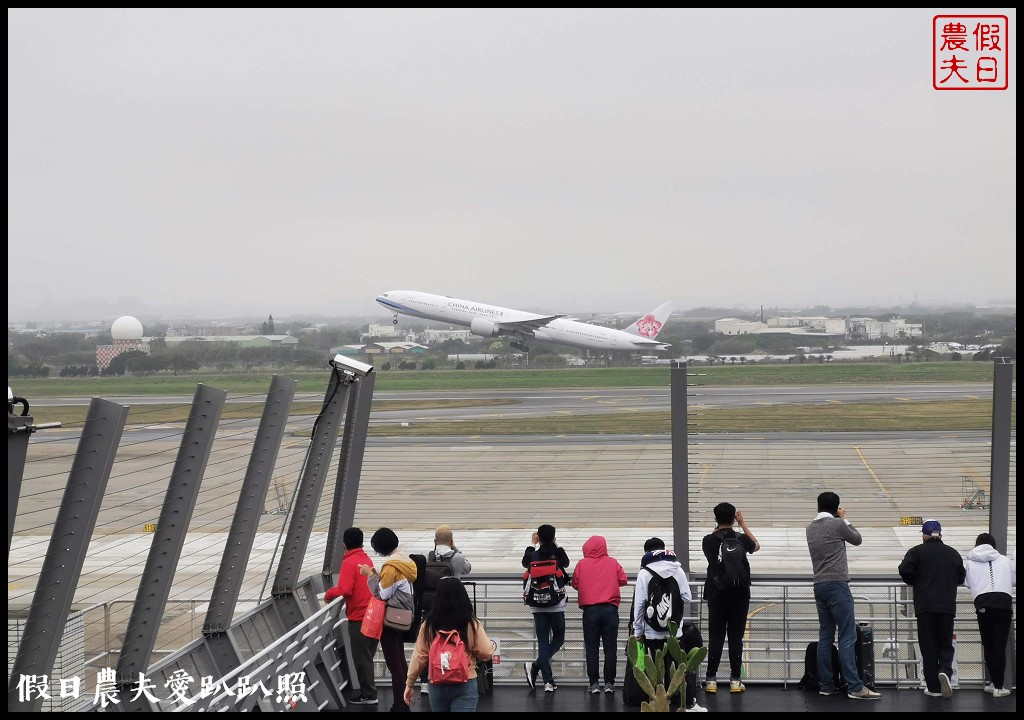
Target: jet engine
484, 328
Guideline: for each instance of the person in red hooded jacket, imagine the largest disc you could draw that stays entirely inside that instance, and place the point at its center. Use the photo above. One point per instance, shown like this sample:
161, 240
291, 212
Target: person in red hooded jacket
354, 588
597, 579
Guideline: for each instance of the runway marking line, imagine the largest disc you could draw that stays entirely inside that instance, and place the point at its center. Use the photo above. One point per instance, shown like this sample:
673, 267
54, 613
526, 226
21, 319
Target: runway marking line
704, 474
746, 632
872, 472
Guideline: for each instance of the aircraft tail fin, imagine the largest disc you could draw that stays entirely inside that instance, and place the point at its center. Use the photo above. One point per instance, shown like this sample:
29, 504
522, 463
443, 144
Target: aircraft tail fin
650, 324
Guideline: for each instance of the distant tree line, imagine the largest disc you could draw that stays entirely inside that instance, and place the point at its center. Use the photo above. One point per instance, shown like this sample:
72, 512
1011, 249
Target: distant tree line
74, 354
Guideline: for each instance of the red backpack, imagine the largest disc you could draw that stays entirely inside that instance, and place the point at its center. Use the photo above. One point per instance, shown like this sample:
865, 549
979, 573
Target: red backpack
447, 659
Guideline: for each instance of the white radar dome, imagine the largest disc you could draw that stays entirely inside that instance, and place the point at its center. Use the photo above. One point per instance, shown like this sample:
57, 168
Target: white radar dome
126, 328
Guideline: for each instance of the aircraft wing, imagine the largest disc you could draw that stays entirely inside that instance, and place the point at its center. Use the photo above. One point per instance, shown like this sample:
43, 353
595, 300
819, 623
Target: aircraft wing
527, 326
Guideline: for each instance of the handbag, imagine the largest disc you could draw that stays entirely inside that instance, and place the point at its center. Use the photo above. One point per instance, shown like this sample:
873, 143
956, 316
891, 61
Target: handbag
398, 618
373, 621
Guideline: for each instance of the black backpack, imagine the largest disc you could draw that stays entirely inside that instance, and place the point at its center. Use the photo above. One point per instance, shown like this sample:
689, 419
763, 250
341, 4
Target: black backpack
436, 571
733, 571
810, 680
664, 601
418, 589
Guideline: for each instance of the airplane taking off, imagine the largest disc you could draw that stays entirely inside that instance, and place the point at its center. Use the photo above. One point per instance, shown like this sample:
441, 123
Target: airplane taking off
493, 321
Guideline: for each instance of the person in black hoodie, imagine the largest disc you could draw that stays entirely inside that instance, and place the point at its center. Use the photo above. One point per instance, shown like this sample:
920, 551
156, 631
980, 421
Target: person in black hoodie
935, 570
549, 622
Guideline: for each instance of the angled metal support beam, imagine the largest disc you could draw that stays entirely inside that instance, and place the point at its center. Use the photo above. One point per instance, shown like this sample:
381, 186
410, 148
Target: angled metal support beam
168, 540
19, 428
999, 480
680, 466
350, 467
307, 497
69, 543
245, 523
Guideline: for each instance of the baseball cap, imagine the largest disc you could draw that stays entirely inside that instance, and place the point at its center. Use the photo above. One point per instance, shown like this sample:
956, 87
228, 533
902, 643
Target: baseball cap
931, 527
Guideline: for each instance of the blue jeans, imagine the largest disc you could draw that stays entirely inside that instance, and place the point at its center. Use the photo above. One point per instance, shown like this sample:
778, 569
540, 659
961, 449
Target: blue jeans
601, 626
457, 697
835, 611
550, 628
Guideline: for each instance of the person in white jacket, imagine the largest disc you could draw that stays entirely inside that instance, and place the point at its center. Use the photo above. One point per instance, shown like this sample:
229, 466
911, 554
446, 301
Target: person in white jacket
665, 564
991, 578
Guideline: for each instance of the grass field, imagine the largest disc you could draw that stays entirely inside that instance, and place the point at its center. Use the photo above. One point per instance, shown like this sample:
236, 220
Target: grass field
456, 380
935, 416
860, 417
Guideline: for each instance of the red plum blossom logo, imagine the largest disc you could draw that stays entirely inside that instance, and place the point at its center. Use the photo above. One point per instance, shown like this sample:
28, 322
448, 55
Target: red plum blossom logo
648, 326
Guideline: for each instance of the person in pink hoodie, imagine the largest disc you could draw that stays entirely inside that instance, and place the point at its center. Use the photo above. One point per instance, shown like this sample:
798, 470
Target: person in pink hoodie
597, 579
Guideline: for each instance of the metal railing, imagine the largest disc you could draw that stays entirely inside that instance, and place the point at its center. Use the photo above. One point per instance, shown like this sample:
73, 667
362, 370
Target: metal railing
781, 621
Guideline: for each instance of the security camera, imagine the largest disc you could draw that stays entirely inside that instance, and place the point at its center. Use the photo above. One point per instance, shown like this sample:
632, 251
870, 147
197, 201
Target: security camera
13, 400
351, 367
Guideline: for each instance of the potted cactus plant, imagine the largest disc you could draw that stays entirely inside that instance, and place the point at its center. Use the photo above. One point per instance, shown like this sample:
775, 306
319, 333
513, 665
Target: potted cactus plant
650, 671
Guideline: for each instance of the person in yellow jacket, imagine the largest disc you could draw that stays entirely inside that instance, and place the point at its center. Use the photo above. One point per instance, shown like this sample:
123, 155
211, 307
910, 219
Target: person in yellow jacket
451, 610
393, 585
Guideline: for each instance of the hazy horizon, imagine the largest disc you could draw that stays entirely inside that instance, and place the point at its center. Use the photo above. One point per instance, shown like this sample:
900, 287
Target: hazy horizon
213, 163
679, 314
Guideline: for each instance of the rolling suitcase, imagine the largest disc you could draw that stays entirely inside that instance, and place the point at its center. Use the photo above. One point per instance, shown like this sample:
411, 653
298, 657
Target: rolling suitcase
865, 651
484, 668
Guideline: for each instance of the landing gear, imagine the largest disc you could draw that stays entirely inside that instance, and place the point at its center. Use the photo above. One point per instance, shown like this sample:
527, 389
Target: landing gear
395, 320
520, 346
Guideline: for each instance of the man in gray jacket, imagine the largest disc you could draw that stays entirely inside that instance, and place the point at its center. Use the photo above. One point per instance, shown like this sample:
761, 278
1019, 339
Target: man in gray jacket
827, 536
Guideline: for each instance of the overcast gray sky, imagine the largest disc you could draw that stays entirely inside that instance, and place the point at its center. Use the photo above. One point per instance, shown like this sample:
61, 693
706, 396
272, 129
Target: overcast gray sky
301, 162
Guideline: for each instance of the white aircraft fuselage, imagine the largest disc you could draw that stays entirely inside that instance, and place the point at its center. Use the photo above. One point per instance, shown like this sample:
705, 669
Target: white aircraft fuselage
494, 321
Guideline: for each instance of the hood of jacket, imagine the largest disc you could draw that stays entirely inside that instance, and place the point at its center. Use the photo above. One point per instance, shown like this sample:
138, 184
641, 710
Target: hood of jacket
402, 564
983, 553
442, 552
595, 547
663, 567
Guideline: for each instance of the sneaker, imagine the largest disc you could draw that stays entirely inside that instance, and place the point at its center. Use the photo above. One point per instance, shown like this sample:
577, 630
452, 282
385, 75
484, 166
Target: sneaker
989, 687
735, 686
1000, 692
594, 689
609, 687
550, 687
424, 689
363, 700
944, 686
531, 671
696, 708
711, 687
929, 693
865, 693
828, 693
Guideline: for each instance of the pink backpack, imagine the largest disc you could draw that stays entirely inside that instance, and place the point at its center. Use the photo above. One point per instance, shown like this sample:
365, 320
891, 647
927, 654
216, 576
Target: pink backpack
447, 659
